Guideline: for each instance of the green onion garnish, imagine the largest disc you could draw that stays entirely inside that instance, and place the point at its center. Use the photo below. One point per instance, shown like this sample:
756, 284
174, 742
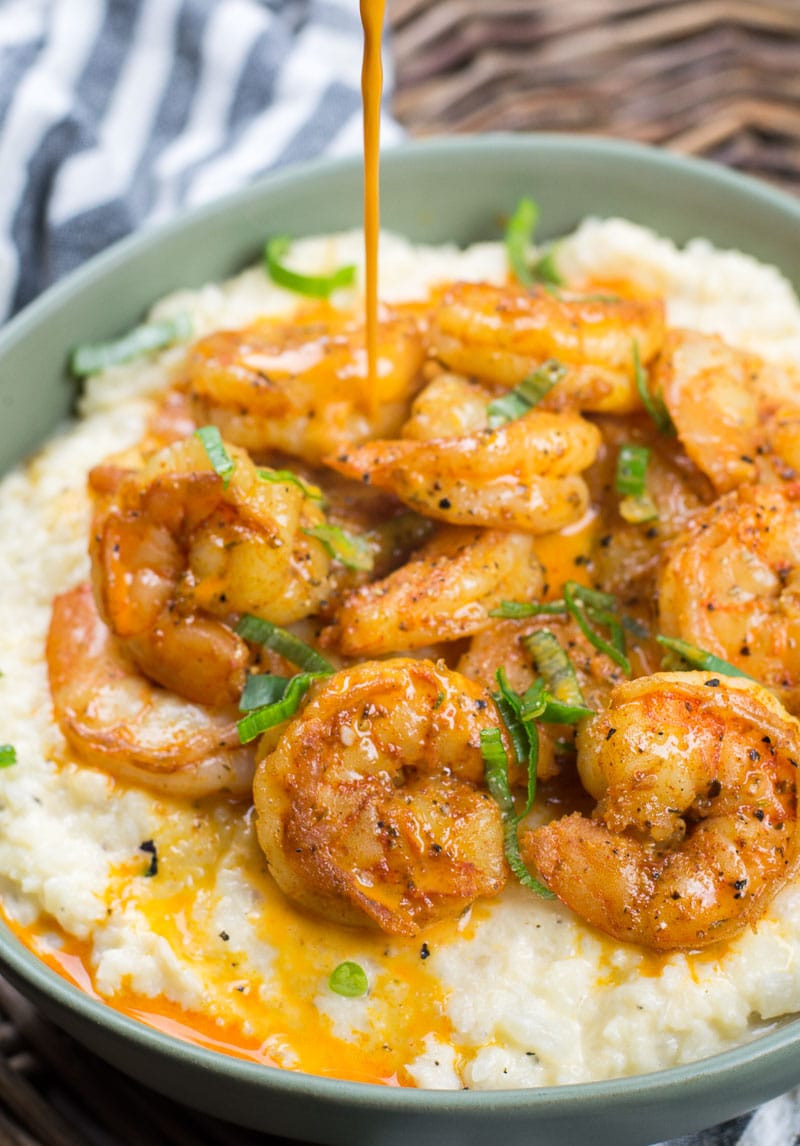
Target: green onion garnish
286, 477
287, 645
349, 979
590, 608
262, 689
8, 755
524, 737
93, 357
351, 551
562, 699
528, 394
636, 506
631, 473
545, 269
262, 719
315, 286
519, 232
700, 659
219, 457
516, 610
495, 764
653, 403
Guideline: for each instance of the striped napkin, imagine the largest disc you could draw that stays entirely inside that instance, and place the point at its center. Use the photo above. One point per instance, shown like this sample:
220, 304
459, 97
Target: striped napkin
115, 113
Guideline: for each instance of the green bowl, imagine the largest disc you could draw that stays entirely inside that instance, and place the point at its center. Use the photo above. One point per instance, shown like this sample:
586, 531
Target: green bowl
444, 190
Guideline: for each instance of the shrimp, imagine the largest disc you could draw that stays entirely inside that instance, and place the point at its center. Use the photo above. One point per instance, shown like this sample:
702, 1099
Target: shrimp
449, 407
500, 646
500, 334
522, 476
695, 826
444, 592
371, 810
117, 720
175, 552
302, 386
736, 416
731, 585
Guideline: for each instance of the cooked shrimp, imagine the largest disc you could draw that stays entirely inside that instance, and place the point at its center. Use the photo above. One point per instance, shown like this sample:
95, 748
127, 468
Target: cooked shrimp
449, 407
175, 551
500, 646
736, 416
522, 476
695, 827
301, 386
500, 334
731, 585
370, 810
444, 592
118, 720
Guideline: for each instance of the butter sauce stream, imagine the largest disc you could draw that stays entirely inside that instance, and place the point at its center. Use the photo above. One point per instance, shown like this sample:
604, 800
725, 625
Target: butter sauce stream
372, 16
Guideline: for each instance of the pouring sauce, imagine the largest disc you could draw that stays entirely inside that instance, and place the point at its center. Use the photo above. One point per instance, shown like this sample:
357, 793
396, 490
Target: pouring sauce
372, 17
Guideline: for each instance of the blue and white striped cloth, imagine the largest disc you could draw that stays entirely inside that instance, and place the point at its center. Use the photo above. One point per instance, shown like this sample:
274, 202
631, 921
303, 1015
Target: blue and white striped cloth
115, 113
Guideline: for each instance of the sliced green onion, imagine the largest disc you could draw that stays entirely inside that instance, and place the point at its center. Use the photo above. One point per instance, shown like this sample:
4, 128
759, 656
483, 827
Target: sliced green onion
495, 764
545, 269
653, 403
516, 610
506, 701
351, 551
349, 979
590, 608
286, 477
524, 737
262, 689
636, 506
700, 659
519, 232
631, 472
314, 286
92, 357
8, 755
564, 703
286, 644
638, 510
528, 394
219, 457
262, 719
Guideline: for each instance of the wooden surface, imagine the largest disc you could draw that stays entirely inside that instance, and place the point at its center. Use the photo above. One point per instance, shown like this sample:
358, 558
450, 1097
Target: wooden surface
719, 78
710, 77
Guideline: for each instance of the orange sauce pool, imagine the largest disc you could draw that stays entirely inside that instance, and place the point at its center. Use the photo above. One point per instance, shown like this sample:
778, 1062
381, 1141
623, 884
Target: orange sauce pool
274, 1021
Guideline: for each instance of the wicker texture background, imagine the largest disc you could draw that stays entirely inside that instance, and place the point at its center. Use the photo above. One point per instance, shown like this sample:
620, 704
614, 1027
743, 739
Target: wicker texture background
719, 78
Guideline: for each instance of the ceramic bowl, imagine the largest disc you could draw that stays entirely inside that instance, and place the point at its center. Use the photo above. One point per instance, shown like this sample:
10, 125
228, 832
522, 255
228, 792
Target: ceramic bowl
447, 190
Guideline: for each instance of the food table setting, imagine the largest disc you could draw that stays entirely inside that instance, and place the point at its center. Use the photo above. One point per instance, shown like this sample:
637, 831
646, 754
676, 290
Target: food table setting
117, 118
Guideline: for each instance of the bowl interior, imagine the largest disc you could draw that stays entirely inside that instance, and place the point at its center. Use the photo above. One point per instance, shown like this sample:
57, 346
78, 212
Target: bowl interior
450, 190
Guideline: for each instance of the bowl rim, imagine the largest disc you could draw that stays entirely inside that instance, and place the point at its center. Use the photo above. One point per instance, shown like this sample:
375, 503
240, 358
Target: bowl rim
25, 966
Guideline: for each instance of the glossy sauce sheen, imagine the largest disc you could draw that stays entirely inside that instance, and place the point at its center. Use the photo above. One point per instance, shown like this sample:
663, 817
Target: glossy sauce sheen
372, 15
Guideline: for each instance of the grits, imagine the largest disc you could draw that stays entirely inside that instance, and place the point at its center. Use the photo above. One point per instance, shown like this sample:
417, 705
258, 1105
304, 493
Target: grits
518, 992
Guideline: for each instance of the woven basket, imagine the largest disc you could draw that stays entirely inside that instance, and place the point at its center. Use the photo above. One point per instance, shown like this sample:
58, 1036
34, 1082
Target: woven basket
719, 78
